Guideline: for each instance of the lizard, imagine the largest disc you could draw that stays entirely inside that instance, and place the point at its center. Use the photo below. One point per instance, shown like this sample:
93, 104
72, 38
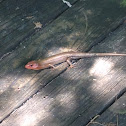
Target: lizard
51, 61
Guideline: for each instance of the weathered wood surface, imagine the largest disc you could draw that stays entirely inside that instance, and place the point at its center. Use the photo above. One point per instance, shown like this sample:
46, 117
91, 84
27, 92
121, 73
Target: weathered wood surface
17, 20
78, 94
114, 116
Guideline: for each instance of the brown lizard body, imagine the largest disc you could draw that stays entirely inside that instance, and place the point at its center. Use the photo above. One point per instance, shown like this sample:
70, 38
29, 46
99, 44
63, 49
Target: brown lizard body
64, 57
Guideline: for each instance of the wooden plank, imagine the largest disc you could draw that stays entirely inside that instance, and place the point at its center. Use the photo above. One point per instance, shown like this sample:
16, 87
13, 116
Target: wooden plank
55, 92
114, 116
13, 73
19, 84
78, 94
108, 77
18, 24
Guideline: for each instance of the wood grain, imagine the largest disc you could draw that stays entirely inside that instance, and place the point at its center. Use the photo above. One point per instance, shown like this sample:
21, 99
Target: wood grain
59, 97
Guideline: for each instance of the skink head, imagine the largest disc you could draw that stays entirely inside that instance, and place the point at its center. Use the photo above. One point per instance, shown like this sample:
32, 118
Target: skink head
33, 65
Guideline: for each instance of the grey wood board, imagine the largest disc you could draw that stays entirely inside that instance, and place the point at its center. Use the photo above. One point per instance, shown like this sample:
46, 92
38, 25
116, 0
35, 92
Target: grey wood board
18, 84
17, 20
78, 94
113, 75
115, 115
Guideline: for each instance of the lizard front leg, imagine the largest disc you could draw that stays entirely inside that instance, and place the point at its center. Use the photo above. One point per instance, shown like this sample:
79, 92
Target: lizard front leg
69, 62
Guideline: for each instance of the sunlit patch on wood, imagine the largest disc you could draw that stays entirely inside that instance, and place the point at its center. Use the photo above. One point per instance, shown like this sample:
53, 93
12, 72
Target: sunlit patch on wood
101, 67
31, 118
28, 120
65, 98
55, 50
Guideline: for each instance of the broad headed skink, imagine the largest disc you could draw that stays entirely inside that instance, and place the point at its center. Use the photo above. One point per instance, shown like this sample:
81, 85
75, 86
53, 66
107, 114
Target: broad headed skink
50, 62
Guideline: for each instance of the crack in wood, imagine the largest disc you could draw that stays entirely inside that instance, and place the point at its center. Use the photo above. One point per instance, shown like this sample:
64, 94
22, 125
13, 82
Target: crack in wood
103, 37
121, 93
25, 101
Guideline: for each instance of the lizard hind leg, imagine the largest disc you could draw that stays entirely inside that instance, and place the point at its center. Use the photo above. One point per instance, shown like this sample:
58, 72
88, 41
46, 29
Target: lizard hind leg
69, 62
52, 66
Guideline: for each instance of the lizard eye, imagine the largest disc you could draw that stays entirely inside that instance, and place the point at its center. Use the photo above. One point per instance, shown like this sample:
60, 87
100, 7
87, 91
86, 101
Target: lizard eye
31, 65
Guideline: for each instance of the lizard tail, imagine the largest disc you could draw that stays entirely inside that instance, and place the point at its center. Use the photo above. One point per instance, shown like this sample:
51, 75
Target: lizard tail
103, 54
80, 55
